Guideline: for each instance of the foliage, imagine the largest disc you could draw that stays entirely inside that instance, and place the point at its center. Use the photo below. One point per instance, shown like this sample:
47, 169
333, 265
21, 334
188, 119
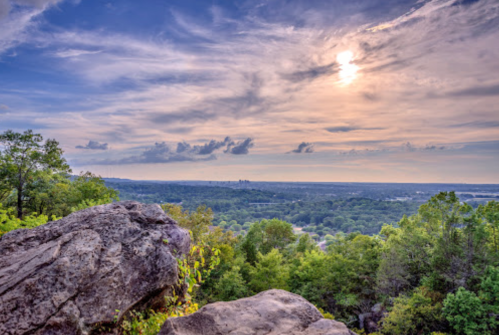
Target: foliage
269, 272
8, 221
470, 314
433, 272
265, 236
466, 313
489, 290
192, 270
24, 158
197, 222
320, 214
231, 286
418, 314
58, 197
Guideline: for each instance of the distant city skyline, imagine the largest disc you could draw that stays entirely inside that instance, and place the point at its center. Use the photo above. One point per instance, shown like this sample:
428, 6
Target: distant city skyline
307, 91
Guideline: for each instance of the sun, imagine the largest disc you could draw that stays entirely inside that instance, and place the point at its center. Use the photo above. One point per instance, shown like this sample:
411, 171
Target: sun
348, 70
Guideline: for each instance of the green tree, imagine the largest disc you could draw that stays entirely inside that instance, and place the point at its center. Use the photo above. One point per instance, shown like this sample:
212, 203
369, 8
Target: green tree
198, 221
24, 157
231, 286
269, 272
489, 290
466, 313
277, 234
490, 214
305, 243
307, 276
421, 313
9, 222
57, 194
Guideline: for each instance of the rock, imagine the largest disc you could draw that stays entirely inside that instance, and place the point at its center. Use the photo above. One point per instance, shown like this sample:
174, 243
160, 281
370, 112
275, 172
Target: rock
369, 321
70, 276
378, 308
273, 312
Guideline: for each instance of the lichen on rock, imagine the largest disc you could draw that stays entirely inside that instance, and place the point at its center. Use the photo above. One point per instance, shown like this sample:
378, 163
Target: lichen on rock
273, 312
71, 276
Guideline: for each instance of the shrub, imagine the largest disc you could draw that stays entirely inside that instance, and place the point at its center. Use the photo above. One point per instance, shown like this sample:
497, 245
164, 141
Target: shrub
466, 313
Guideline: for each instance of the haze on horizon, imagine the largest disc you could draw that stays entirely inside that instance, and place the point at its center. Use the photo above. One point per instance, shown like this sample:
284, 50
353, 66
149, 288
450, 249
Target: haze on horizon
275, 90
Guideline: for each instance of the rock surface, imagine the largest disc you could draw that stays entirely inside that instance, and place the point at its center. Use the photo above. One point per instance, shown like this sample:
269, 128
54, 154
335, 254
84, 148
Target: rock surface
273, 312
69, 276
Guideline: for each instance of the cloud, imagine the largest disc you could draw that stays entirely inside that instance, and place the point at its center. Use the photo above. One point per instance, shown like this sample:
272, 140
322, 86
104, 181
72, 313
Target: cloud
265, 71
478, 91
205, 149
183, 147
409, 147
432, 147
180, 130
35, 3
161, 152
4, 108
355, 152
304, 147
16, 20
4, 8
93, 145
312, 73
477, 124
74, 53
210, 147
189, 116
341, 129
239, 148
346, 129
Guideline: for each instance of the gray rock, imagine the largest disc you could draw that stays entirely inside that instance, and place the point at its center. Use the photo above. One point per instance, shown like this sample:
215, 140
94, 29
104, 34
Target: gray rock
69, 276
273, 312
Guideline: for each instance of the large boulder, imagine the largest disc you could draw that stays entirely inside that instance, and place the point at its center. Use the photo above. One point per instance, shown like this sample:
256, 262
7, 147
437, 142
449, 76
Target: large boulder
71, 276
273, 312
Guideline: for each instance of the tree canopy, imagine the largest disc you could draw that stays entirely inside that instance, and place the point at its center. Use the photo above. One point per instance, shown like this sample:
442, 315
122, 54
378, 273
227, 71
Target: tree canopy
24, 159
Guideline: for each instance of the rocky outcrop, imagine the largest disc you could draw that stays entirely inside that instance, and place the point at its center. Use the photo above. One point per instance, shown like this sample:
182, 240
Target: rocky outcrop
273, 312
70, 276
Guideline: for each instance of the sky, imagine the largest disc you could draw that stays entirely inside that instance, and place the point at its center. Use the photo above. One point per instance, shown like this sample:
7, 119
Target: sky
268, 90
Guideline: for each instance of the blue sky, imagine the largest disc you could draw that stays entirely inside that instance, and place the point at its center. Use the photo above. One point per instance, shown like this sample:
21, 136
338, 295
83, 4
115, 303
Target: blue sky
359, 90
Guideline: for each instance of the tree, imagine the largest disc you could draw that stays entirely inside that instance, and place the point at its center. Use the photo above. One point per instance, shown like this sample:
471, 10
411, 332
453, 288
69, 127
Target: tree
489, 292
198, 222
9, 222
305, 243
231, 286
307, 276
490, 213
466, 313
269, 272
420, 313
277, 234
24, 157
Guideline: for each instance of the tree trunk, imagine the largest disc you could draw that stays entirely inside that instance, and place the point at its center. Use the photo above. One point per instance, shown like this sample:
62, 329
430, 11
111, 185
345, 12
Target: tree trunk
20, 203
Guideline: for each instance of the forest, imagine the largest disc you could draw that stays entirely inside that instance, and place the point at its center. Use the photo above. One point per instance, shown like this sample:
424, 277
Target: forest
236, 209
433, 271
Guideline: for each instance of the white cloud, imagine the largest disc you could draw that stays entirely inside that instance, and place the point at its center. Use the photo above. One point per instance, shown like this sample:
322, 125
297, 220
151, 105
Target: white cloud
17, 17
264, 79
74, 53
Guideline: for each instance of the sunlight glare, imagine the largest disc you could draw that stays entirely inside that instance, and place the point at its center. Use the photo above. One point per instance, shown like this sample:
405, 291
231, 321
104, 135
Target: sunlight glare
348, 70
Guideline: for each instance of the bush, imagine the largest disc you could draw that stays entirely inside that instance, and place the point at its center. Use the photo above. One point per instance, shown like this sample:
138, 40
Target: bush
231, 286
466, 313
418, 314
9, 222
